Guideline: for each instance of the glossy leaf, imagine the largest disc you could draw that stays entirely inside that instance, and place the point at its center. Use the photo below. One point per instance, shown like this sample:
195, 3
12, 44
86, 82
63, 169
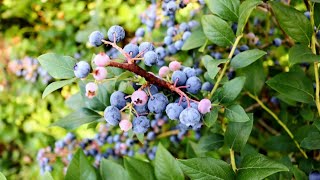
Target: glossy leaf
210, 142
78, 118
232, 89
293, 22
293, 85
217, 30
245, 10
80, 168
235, 113
166, 167
302, 54
197, 39
312, 141
257, 166
58, 66
138, 170
225, 9
246, 58
112, 171
56, 85
206, 168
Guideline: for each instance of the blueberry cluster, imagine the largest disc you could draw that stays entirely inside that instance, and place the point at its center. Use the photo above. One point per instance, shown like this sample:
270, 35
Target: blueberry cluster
30, 69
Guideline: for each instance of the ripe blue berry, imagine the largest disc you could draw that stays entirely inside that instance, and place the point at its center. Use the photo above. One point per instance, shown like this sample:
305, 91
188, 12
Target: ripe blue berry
178, 44
139, 32
244, 48
131, 49
183, 102
172, 49
150, 58
161, 52
151, 135
183, 27
190, 117
145, 47
171, 31
180, 77
173, 110
189, 71
118, 100
157, 103
153, 89
207, 86
116, 33
141, 110
314, 176
277, 42
194, 105
81, 69
186, 35
167, 40
95, 38
112, 115
140, 124
193, 85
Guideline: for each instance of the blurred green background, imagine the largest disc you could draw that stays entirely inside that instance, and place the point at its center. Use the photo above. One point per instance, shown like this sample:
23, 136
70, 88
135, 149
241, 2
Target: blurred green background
30, 28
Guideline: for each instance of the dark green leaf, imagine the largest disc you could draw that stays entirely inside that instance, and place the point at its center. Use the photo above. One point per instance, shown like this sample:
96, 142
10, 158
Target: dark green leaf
217, 30
255, 77
59, 67
206, 168
301, 54
112, 171
138, 170
210, 142
317, 14
237, 134
244, 13
211, 117
311, 142
317, 125
56, 85
197, 39
78, 118
281, 143
293, 22
246, 58
293, 85
232, 89
257, 166
166, 167
235, 113
80, 168
225, 9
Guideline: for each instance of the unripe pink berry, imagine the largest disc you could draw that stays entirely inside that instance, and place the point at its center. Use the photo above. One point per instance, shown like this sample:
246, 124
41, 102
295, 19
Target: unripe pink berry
204, 106
163, 71
91, 90
101, 59
174, 65
100, 73
139, 98
125, 125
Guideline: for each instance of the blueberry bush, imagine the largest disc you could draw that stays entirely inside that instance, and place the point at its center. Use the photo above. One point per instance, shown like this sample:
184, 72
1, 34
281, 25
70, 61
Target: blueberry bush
215, 89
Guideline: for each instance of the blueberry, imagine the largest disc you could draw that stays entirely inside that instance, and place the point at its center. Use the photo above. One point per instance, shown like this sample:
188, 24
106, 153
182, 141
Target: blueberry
140, 124
172, 49
131, 49
180, 77
145, 47
193, 85
157, 103
194, 105
151, 135
95, 38
116, 33
153, 123
150, 58
139, 32
153, 89
130, 153
81, 69
167, 40
218, 55
277, 42
178, 44
307, 14
193, 23
244, 48
161, 52
112, 115
171, 31
173, 110
171, 7
183, 102
116, 138
183, 27
207, 86
160, 62
189, 71
314, 176
118, 100
190, 117
141, 110
186, 35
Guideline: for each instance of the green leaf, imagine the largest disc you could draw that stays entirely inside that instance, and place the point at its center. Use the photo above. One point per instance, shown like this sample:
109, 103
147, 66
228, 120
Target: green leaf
140, 137
235, 113
212, 65
246, 58
293, 85
232, 89
210, 142
56, 85
138, 170
197, 39
100, 101
211, 117
217, 30
225, 9
78, 118
166, 167
317, 14
2, 177
59, 67
75, 101
206, 168
80, 168
112, 171
255, 77
293, 22
245, 10
45, 176
257, 166
126, 87
311, 142
125, 75
237, 134
316, 1
301, 54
